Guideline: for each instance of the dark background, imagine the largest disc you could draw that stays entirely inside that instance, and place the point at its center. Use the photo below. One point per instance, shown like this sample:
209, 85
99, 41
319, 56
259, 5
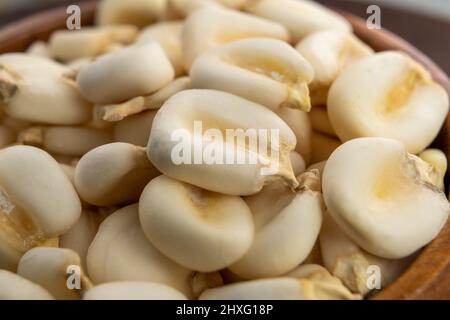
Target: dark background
429, 34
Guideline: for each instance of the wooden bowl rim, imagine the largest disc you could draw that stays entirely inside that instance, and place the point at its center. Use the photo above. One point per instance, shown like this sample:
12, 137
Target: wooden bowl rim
423, 279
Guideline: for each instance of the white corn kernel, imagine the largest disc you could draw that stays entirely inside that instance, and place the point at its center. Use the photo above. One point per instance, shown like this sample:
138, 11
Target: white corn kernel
51, 268
37, 202
117, 112
124, 34
300, 124
198, 229
287, 225
318, 273
121, 252
125, 74
34, 81
387, 202
80, 236
298, 164
70, 45
77, 64
14, 287
187, 7
438, 160
279, 289
39, 49
266, 71
311, 271
348, 262
211, 27
300, 17
68, 170
113, 174
220, 112
388, 95
70, 141
169, 36
330, 52
138, 12
319, 166
130, 290
135, 129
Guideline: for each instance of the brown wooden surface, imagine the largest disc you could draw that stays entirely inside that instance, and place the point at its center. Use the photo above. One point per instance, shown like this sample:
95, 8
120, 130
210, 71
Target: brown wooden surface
429, 276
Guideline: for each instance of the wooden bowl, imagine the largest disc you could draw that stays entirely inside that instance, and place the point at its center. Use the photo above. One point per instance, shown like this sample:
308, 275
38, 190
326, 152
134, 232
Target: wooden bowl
429, 276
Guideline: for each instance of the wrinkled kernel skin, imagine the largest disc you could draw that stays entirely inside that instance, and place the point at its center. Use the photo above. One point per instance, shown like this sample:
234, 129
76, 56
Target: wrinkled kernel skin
38, 202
